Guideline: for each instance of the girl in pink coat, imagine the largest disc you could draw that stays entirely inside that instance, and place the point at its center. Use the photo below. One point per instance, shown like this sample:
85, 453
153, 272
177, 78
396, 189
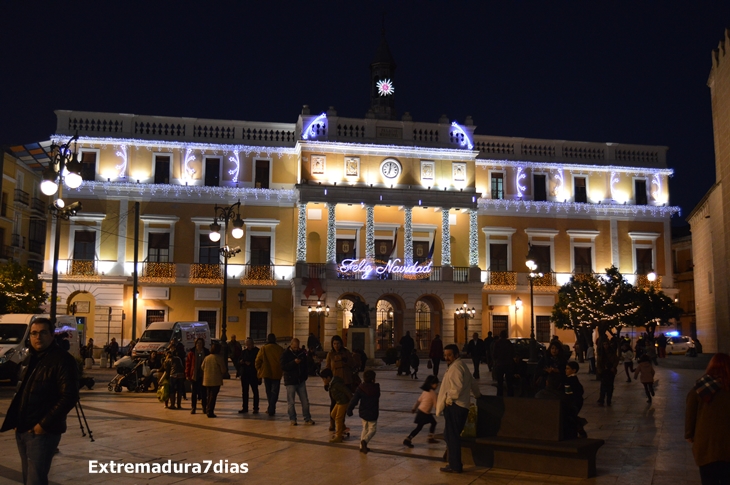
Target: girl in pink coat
646, 371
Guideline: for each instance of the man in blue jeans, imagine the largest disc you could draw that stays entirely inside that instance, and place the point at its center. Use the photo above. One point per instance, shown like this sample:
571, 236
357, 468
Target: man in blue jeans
294, 366
37, 413
453, 402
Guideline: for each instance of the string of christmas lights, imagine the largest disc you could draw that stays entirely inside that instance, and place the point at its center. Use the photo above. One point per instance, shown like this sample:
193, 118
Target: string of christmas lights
408, 237
331, 234
302, 234
539, 207
445, 238
473, 238
370, 232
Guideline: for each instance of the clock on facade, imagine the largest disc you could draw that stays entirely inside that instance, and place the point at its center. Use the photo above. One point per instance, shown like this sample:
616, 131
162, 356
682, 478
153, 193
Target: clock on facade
390, 168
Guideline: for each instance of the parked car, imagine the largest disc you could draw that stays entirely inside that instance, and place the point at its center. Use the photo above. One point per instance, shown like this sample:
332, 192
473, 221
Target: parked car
522, 347
679, 345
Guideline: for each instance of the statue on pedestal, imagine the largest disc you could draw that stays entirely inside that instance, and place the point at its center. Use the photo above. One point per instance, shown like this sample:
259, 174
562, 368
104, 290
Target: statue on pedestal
360, 313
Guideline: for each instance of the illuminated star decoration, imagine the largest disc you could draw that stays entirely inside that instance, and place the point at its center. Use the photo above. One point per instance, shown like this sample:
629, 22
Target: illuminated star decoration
189, 157
463, 138
559, 187
614, 180
520, 176
385, 87
235, 160
122, 153
655, 180
314, 127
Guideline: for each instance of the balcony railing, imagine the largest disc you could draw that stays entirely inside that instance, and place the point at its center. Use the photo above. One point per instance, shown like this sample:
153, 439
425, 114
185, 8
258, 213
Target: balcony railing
317, 270
153, 272
17, 241
210, 274
501, 280
37, 205
435, 275
461, 274
22, 197
82, 269
254, 274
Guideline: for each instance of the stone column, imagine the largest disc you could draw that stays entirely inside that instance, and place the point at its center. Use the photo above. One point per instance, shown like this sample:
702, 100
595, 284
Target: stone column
445, 237
370, 232
408, 236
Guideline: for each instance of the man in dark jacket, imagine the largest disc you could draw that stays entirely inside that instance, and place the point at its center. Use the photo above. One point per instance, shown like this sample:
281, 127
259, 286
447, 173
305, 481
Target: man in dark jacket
234, 352
406, 349
488, 344
113, 351
436, 354
294, 367
475, 349
504, 352
37, 413
248, 376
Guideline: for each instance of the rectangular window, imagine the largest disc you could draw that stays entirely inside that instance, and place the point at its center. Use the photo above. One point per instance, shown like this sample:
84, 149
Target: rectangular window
154, 316
644, 263
4, 206
260, 251
497, 257
158, 247
212, 172
497, 186
84, 245
209, 251
499, 323
420, 251
542, 329
210, 316
539, 188
36, 235
88, 165
581, 194
640, 192
582, 260
261, 176
345, 249
258, 322
162, 169
542, 258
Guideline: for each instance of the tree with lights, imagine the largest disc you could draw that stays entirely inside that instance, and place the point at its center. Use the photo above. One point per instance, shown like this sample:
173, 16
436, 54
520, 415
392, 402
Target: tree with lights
20, 290
656, 309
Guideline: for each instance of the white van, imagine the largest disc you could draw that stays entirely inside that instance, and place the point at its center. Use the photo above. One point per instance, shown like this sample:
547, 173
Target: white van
14, 332
160, 334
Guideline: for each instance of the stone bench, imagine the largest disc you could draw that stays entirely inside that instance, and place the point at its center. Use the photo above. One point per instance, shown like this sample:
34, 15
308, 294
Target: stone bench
526, 434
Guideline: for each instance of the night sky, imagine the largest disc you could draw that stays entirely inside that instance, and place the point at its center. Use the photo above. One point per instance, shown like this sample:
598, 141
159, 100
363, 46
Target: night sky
627, 72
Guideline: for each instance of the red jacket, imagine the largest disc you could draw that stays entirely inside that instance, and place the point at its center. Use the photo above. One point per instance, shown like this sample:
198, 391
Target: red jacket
190, 364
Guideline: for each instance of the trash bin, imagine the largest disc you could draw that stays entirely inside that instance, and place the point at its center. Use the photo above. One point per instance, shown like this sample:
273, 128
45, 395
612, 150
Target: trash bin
87, 363
102, 362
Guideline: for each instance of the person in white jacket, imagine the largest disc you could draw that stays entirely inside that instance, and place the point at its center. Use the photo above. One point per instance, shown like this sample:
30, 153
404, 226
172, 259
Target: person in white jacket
453, 402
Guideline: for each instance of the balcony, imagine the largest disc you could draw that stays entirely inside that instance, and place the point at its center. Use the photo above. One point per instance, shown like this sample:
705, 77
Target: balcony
82, 270
22, 197
38, 206
501, 280
206, 274
17, 241
153, 272
263, 275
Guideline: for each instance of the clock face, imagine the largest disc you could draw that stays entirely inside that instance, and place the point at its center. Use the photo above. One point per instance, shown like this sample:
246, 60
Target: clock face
390, 168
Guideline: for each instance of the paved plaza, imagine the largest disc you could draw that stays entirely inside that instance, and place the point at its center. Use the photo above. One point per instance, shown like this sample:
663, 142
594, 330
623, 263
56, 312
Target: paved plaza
644, 443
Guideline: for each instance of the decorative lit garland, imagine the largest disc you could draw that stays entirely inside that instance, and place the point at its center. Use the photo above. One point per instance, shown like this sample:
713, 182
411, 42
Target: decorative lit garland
262, 275
302, 234
521, 175
655, 180
408, 238
209, 274
159, 273
122, 153
331, 234
177, 191
642, 281
613, 180
445, 238
576, 208
237, 161
501, 280
187, 171
84, 270
560, 187
537, 166
370, 232
473, 239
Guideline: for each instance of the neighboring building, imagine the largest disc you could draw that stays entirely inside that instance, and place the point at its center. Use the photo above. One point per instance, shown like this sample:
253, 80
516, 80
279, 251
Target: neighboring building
414, 219
710, 218
684, 280
23, 212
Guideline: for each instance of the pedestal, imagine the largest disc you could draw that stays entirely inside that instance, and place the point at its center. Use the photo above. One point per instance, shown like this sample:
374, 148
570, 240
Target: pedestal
362, 338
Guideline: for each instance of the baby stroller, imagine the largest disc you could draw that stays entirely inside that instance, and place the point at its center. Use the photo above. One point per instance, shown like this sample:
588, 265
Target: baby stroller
128, 375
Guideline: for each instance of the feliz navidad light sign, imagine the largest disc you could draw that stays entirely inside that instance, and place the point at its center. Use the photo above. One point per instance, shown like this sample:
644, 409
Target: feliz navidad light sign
394, 266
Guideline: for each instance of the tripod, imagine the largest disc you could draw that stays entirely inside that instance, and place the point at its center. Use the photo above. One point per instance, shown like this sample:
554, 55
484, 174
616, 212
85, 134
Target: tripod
80, 414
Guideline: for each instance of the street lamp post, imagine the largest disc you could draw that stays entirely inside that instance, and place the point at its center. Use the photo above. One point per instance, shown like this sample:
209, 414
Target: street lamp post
532, 266
319, 310
465, 313
226, 214
64, 168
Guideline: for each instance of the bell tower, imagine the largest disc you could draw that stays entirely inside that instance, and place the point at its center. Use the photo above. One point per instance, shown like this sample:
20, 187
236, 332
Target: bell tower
382, 89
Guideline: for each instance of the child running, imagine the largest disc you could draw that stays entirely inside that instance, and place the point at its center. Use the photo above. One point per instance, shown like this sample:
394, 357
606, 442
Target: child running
647, 376
341, 395
423, 407
368, 395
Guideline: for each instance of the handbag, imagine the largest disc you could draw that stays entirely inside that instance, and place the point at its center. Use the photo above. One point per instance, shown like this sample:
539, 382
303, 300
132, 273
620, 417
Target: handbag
429, 364
470, 428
